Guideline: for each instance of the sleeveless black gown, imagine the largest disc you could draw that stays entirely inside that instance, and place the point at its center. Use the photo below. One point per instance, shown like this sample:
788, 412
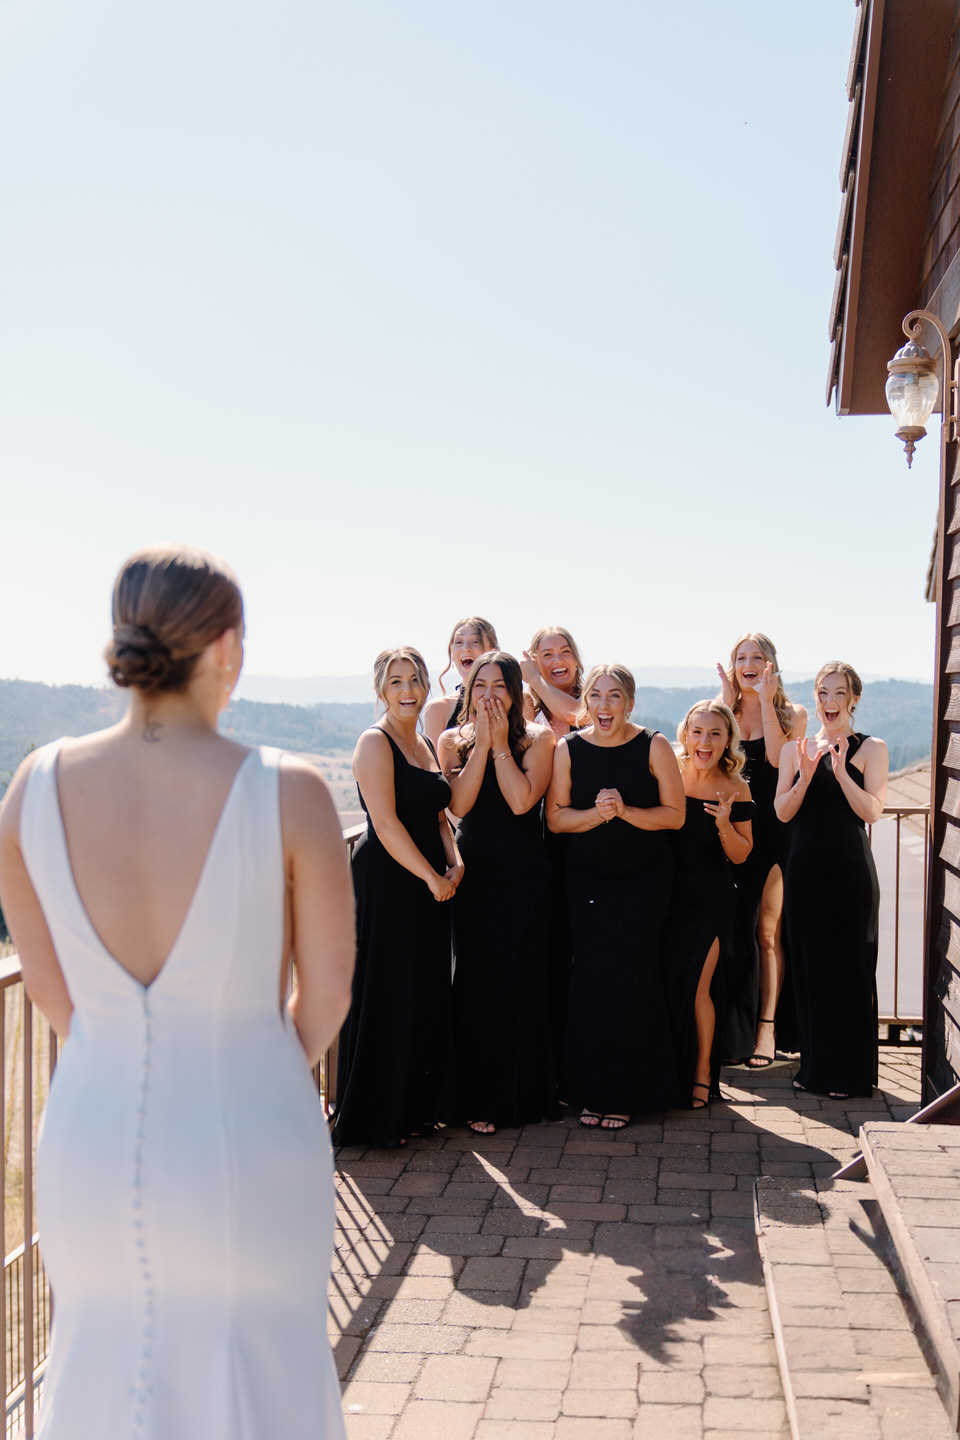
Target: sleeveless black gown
831, 909
501, 911
394, 1065
741, 980
702, 906
618, 1053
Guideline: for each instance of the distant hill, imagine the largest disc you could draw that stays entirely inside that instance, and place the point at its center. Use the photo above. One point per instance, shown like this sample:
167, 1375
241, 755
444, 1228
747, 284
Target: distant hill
900, 711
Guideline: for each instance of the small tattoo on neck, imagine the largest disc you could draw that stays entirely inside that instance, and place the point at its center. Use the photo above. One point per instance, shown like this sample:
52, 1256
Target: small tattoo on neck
151, 731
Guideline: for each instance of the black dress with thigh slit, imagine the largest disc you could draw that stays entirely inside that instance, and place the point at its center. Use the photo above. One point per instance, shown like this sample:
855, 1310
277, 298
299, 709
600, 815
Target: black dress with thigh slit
618, 1053
831, 909
394, 1064
702, 906
501, 913
771, 846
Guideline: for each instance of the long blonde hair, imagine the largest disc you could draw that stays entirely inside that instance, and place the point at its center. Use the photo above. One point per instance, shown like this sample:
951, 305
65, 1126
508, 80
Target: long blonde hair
767, 648
733, 759
483, 628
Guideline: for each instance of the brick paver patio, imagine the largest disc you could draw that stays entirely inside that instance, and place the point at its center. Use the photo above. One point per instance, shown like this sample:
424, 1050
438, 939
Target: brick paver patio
554, 1283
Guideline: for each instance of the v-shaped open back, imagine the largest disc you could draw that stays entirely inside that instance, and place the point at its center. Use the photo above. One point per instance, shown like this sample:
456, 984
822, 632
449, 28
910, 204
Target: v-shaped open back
196, 890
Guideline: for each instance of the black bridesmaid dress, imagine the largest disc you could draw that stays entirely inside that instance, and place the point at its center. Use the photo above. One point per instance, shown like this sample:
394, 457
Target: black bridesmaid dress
831, 909
741, 977
394, 1066
501, 912
702, 906
618, 1054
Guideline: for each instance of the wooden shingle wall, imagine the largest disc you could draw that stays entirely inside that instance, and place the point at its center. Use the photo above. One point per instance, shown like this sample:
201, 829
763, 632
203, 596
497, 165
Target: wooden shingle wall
942, 238
942, 1043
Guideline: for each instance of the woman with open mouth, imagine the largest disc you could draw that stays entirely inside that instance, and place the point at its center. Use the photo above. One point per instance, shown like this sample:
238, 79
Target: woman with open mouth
716, 834
469, 638
394, 1064
835, 784
553, 671
617, 792
498, 766
754, 969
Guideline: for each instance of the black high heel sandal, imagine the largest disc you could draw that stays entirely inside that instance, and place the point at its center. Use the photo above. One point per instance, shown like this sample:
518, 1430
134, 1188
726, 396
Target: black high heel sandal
762, 1062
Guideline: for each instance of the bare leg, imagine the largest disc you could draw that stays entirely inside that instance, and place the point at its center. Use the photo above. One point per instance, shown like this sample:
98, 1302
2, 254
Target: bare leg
706, 1019
771, 962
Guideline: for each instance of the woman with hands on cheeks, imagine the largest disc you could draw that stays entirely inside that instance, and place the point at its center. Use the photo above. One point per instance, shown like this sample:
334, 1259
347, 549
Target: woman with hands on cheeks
469, 639
716, 834
616, 791
835, 784
753, 977
498, 767
393, 1072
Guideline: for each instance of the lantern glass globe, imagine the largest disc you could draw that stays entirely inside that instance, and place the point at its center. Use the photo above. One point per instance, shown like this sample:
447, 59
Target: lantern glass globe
911, 396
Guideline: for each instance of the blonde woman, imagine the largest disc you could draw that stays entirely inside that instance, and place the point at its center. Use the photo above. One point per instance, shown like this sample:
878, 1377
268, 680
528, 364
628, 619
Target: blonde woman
752, 687
616, 791
553, 671
469, 639
716, 835
834, 784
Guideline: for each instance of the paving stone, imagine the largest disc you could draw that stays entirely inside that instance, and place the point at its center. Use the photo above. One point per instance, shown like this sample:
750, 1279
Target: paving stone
368, 1427
740, 1413
479, 1310
374, 1397
455, 1377
671, 1388
837, 1420
760, 1382
605, 1403
521, 1375
543, 1405
522, 1345
571, 1427
423, 1339
515, 1430
492, 1273
668, 1422
438, 1420
613, 1372
414, 1312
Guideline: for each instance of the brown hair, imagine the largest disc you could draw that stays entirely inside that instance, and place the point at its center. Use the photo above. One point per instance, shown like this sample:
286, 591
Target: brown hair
565, 635
381, 668
733, 759
840, 667
620, 673
169, 603
767, 648
483, 628
517, 737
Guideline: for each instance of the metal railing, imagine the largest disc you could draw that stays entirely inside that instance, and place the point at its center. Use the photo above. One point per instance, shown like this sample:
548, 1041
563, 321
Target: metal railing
904, 871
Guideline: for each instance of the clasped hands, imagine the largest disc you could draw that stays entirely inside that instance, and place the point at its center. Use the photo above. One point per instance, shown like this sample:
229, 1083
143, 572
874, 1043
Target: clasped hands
609, 804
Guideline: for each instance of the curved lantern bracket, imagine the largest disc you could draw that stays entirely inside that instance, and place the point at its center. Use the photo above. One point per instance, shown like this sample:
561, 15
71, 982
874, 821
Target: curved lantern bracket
912, 386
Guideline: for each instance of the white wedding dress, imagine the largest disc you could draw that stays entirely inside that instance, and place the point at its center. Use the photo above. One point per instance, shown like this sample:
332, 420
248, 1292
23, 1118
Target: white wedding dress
184, 1182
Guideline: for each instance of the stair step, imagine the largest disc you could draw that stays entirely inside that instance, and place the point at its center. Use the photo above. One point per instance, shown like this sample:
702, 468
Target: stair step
915, 1174
851, 1364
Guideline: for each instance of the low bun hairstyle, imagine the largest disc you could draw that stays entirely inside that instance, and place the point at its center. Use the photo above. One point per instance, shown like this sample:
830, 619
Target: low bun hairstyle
169, 603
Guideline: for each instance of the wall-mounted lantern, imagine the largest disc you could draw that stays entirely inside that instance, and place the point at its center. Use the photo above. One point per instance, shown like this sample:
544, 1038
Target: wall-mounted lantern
912, 387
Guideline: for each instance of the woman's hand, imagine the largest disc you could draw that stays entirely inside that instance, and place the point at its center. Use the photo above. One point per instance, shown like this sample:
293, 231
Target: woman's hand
454, 873
481, 728
838, 754
499, 724
769, 681
720, 811
530, 705
441, 886
529, 669
807, 763
609, 805
726, 689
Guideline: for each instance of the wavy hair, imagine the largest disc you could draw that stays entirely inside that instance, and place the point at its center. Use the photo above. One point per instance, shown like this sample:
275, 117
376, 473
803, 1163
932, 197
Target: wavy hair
517, 737
381, 669
733, 759
483, 628
767, 648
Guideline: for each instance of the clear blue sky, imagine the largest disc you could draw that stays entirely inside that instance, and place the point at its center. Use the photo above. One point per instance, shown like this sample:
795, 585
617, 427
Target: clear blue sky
412, 310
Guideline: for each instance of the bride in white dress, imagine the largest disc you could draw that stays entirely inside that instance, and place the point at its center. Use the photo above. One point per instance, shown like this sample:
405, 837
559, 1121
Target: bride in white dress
158, 878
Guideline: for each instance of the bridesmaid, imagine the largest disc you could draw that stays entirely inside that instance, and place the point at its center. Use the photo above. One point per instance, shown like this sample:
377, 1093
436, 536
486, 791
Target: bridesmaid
553, 670
393, 1074
716, 834
753, 979
499, 766
468, 639
616, 791
835, 784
